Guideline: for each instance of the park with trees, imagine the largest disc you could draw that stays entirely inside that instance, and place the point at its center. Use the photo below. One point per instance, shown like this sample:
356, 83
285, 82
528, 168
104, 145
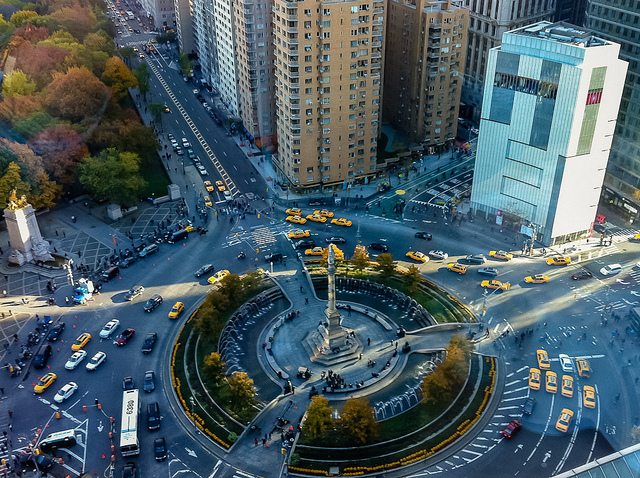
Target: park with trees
68, 123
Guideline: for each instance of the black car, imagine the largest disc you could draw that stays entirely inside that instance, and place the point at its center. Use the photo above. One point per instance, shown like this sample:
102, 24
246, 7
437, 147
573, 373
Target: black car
153, 416
149, 384
335, 240
160, 449
55, 332
204, 270
601, 228
274, 257
29, 461
528, 406
423, 235
154, 301
149, 342
305, 244
125, 337
475, 259
110, 273
128, 383
42, 357
379, 247
127, 261
130, 470
580, 275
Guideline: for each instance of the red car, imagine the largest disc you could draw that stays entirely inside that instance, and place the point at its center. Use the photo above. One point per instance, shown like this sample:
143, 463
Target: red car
124, 337
511, 429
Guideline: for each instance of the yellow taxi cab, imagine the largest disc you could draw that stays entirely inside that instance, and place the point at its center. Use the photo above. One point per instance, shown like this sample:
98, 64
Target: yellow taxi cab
294, 211
459, 268
220, 185
207, 201
218, 276
316, 251
495, 284
564, 420
189, 228
551, 382
81, 341
537, 279
417, 256
296, 220
298, 234
635, 237
44, 382
208, 186
567, 386
543, 359
323, 212
505, 256
559, 261
176, 310
584, 370
342, 221
534, 378
316, 218
589, 396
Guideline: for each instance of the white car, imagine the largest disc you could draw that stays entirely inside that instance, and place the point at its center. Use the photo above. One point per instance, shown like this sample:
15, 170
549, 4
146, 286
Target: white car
202, 170
438, 254
96, 360
109, 328
174, 144
185, 143
566, 363
227, 195
611, 269
65, 392
75, 359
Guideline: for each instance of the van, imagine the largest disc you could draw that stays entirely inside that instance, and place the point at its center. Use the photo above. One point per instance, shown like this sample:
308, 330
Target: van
178, 236
42, 357
62, 439
610, 269
584, 370
153, 416
110, 273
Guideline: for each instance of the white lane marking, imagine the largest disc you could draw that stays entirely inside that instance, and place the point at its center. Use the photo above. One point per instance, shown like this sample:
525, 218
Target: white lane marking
512, 399
516, 390
544, 432
514, 382
574, 435
522, 368
215, 469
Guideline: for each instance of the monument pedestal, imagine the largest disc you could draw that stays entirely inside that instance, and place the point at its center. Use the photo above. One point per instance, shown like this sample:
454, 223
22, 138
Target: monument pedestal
27, 244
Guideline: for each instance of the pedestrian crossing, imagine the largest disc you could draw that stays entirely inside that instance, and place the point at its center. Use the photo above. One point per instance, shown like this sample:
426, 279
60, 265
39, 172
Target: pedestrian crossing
263, 236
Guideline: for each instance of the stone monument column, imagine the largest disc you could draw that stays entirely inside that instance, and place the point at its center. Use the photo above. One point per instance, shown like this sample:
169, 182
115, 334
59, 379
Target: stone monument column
336, 337
25, 238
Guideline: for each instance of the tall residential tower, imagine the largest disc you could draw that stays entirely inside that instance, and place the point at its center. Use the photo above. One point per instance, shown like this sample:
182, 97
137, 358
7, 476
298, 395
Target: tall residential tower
328, 84
550, 105
426, 48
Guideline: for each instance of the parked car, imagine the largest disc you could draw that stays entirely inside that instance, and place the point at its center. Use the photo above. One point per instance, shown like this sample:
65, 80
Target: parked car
125, 337
128, 383
475, 259
149, 384
134, 292
154, 301
127, 261
150, 249
153, 416
55, 332
149, 342
41, 359
423, 235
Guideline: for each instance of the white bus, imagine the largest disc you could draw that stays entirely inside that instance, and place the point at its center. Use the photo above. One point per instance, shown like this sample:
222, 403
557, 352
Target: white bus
129, 444
130, 15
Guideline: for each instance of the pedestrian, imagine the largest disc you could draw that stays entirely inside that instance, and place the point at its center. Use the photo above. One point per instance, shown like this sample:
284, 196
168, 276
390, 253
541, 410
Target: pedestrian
368, 341
64, 234
10, 412
269, 435
301, 289
264, 442
255, 440
66, 300
2, 391
396, 345
306, 300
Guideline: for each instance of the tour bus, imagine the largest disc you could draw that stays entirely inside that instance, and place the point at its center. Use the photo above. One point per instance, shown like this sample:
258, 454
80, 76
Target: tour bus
129, 444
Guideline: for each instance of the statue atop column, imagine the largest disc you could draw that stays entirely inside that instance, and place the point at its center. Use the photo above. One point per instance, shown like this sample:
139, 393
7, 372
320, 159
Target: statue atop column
27, 244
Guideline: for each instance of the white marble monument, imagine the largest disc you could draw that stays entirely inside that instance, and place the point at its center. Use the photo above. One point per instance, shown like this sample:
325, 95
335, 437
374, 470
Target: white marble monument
27, 244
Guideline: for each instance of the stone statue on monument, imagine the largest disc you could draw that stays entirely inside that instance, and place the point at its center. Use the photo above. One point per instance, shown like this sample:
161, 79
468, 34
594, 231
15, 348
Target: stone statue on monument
25, 238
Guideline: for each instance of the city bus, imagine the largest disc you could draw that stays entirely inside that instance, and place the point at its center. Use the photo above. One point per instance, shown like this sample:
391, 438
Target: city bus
129, 444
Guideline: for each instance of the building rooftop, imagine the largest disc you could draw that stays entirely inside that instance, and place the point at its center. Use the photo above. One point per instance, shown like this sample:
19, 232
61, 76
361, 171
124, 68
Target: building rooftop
561, 32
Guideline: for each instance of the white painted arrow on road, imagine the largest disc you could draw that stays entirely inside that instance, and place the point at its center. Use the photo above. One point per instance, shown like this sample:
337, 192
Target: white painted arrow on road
100, 426
637, 294
620, 281
547, 455
518, 448
191, 452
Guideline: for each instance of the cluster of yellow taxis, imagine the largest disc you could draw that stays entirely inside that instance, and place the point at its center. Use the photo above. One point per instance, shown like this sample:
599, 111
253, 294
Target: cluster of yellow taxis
49, 378
296, 216
566, 385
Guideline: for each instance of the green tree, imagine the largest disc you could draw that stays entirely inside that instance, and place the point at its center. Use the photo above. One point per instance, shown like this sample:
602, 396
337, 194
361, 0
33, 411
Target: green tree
318, 420
360, 258
445, 382
241, 390
412, 278
112, 175
156, 110
23, 17
214, 367
186, 66
358, 422
17, 83
33, 124
386, 265
12, 179
143, 75
99, 41
119, 77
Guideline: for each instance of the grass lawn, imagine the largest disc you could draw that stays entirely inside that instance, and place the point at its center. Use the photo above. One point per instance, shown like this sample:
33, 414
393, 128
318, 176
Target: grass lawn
156, 177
